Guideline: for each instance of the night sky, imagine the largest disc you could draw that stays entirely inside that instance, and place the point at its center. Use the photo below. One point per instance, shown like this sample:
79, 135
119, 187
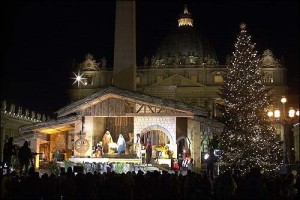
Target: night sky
43, 38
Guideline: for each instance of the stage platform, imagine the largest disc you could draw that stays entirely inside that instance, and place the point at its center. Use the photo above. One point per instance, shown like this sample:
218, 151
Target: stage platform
106, 160
128, 162
119, 159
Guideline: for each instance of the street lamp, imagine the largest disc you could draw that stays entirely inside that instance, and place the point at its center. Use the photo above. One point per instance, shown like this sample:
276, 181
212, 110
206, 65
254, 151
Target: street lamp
284, 121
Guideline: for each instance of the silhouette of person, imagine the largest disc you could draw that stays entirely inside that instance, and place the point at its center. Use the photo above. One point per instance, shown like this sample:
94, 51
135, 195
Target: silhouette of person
8, 152
25, 156
210, 163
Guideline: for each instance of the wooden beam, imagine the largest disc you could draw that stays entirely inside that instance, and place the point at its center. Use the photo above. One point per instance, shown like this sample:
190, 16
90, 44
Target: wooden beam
151, 109
140, 109
159, 114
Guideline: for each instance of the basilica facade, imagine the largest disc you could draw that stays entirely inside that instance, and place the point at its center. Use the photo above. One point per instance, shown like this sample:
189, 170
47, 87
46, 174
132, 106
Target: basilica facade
184, 68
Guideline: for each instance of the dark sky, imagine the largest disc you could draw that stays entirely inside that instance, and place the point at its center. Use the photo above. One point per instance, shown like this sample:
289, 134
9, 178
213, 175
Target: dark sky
43, 38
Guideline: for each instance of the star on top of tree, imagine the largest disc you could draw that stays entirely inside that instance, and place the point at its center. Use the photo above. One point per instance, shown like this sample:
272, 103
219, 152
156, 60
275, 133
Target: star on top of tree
243, 26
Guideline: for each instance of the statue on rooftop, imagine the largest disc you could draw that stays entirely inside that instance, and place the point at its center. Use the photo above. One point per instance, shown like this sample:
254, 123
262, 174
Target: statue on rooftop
89, 63
26, 112
145, 60
268, 60
103, 62
152, 61
4, 105
12, 108
20, 111
38, 116
32, 114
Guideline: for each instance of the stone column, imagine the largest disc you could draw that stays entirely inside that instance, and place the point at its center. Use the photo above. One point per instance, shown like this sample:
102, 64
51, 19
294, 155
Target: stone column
125, 46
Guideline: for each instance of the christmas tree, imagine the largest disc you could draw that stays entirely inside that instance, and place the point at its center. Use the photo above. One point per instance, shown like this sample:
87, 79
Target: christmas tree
248, 139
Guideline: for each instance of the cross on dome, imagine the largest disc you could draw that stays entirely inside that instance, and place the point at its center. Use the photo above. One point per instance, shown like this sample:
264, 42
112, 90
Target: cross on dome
185, 11
185, 18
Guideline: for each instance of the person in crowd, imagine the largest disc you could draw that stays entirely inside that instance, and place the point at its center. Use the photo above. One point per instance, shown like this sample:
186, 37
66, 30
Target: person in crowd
211, 163
184, 164
175, 164
25, 157
254, 186
148, 151
190, 164
225, 186
121, 144
8, 151
187, 163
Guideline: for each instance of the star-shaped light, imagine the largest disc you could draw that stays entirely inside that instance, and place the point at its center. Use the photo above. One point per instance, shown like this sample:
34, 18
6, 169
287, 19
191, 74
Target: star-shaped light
243, 26
79, 79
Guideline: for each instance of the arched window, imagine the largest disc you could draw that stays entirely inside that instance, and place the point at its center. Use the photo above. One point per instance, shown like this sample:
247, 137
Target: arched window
268, 77
183, 143
216, 102
158, 138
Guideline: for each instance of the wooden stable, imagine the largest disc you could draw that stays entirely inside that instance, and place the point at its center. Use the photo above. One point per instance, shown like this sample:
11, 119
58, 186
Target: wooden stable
81, 125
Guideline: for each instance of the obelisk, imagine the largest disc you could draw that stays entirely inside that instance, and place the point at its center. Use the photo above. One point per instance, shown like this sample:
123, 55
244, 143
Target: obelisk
125, 46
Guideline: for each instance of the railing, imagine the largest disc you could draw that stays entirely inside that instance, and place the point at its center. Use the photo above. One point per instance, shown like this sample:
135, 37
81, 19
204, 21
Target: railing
19, 114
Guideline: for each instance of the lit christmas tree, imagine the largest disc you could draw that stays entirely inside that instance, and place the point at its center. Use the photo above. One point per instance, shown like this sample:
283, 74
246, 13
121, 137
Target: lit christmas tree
248, 139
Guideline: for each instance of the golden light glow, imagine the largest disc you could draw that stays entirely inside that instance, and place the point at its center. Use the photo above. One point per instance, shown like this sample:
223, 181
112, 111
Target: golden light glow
185, 22
297, 113
53, 130
270, 113
283, 100
186, 18
292, 112
277, 113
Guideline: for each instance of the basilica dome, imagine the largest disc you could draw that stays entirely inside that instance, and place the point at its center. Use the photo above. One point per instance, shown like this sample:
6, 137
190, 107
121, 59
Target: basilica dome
184, 47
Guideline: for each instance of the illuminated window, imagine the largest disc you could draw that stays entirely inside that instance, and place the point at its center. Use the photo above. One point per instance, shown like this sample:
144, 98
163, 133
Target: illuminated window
89, 80
216, 111
268, 77
218, 79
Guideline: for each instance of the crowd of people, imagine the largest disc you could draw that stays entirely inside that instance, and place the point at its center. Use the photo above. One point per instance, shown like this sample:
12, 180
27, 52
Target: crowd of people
149, 185
23, 154
30, 184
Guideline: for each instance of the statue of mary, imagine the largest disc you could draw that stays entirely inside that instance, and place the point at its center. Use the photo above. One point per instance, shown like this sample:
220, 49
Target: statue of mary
121, 144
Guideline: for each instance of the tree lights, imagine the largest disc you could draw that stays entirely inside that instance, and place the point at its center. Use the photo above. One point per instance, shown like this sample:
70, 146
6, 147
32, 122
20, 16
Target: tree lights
248, 139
